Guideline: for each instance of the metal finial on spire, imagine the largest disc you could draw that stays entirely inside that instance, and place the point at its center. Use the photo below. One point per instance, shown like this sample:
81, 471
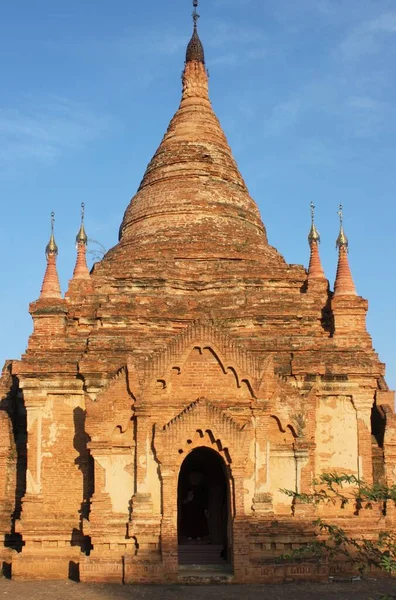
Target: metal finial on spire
312, 206
314, 235
195, 14
82, 237
51, 247
342, 240
341, 215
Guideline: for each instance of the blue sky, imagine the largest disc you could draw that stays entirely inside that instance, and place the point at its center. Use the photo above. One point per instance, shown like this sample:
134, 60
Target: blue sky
306, 94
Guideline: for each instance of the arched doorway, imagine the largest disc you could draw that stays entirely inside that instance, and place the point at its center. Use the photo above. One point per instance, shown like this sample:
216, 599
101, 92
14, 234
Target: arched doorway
204, 532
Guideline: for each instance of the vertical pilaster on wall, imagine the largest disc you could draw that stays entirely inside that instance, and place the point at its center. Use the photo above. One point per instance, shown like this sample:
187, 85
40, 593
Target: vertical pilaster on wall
304, 456
50, 522
144, 525
101, 508
141, 499
32, 502
262, 503
7, 482
386, 400
169, 541
241, 527
34, 428
363, 405
111, 544
390, 470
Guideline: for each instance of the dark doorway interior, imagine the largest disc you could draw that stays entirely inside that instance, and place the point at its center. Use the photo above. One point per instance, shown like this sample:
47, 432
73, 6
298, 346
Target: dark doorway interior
203, 509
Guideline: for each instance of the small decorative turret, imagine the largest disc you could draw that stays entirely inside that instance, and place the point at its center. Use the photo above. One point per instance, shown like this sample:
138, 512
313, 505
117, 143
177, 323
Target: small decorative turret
81, 269
195, 51
315, 269
343, 285
51, 286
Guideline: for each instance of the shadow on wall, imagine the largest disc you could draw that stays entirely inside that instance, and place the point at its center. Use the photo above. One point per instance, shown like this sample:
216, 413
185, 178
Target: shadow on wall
85, 463
14, 405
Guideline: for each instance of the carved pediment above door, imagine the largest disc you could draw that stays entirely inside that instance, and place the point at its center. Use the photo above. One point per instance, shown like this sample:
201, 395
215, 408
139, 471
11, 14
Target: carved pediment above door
202, 424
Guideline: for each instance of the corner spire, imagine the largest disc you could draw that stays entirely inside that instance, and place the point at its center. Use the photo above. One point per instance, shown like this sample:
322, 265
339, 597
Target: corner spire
51, 286
81, 269
195, 51
344, 285
315, 269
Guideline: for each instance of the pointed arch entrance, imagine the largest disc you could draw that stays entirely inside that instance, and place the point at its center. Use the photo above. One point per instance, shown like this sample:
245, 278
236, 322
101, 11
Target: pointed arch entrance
203, 502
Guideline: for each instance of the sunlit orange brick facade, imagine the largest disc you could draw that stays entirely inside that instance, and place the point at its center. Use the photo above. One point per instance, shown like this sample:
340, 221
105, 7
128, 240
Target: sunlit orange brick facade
192, 342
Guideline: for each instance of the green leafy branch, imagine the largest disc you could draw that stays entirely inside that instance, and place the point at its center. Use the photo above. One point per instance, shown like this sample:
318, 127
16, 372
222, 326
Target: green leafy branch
333, 541
332, 488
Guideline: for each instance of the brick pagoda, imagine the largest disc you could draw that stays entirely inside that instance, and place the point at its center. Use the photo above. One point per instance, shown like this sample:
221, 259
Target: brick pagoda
165, 400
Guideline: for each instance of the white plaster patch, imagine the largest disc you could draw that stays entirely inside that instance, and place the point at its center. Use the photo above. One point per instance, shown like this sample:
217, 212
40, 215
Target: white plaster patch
74, 401
32, 414
262, 460
32, 487
283, 475
53, 434
336, 435
119, 481
249, 484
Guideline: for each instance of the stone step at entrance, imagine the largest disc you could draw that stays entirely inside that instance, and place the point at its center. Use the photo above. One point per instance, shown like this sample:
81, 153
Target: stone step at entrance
206, 574
201, 554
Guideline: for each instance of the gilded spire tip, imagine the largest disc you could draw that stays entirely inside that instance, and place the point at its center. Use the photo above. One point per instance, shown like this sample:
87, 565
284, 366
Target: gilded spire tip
52, 248
314, 235
342, 240
82, 237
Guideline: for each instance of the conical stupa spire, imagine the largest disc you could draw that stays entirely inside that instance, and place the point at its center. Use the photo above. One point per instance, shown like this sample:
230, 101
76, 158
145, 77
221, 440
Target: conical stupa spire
51, 286
192, 190
195, 51
343, 285
81, 269
315, 269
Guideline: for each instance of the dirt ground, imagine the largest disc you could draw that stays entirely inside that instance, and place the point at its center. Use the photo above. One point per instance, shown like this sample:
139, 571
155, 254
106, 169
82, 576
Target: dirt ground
67, 590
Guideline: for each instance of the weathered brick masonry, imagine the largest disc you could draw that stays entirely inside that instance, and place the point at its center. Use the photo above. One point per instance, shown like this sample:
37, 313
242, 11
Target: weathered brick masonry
192, 333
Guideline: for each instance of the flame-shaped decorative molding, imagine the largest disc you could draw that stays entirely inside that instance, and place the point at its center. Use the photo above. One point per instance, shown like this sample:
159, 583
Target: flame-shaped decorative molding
201, 416
203, 334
